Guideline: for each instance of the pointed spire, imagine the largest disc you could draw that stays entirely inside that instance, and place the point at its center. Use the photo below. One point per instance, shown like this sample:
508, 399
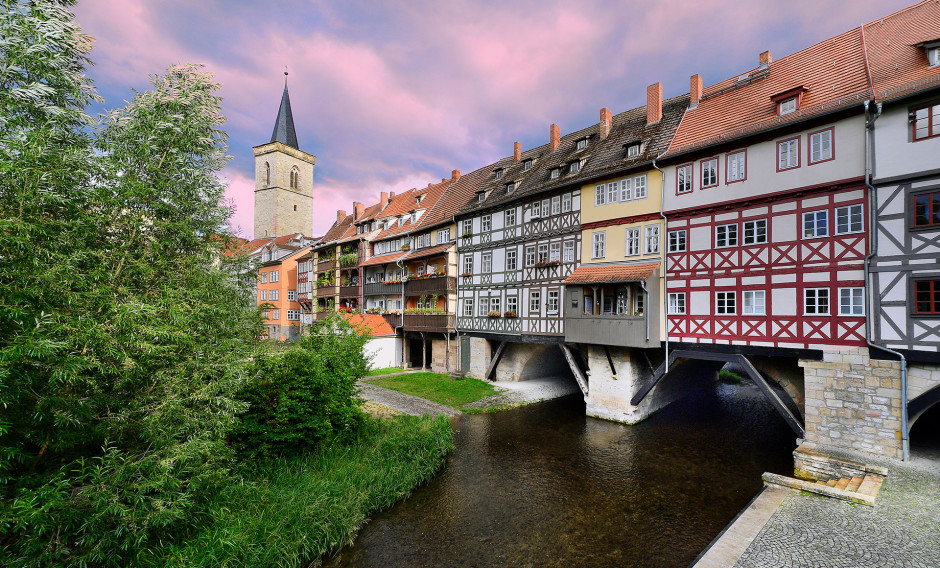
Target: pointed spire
284, 127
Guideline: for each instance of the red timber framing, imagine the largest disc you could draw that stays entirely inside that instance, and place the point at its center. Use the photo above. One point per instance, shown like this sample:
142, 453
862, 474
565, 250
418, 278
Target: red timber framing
782, 267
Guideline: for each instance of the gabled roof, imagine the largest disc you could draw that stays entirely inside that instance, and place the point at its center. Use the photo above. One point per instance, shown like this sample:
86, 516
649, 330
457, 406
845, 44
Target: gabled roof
284, 125
896, 57
371, 323
590, 274
455, 197
430, 251
384, 258
832, 73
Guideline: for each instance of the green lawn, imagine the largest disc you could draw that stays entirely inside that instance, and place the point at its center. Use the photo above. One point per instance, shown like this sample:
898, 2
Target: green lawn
438, 387
385, 371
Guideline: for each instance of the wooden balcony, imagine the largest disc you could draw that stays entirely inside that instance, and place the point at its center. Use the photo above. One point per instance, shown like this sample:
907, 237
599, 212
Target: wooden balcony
328, 264
349, 291
437, 285
393, 320
429, 322
380, 289
327, 291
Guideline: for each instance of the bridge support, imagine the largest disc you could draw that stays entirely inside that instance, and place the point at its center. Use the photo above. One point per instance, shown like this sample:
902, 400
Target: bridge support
579, 375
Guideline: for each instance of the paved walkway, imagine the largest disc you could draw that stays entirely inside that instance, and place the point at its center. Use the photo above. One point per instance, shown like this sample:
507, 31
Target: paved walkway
901, 530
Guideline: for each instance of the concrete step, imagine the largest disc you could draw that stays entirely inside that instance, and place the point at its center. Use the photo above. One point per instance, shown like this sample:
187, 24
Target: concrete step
842, 483
866, 494
832, 482
853, 485
871, 485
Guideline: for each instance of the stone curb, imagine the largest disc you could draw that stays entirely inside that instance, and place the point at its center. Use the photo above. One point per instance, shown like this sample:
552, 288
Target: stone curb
774, 480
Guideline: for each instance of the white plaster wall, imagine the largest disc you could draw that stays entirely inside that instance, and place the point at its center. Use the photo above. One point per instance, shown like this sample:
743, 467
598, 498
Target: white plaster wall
384, 351
895, 152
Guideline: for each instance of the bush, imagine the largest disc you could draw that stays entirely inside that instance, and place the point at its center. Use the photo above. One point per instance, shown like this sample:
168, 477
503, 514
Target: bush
306, 393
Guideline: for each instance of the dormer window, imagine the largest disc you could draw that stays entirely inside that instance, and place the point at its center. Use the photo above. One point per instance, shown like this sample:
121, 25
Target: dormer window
419, 198
574, 167
788, 101
481, 197
582, 144
527, 165
786, 106
633, 150
556, 172
510, 187
933, 56
499, 174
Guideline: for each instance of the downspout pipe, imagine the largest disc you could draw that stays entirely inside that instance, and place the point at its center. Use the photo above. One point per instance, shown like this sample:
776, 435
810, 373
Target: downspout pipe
646, 311
664, 243
401, 267
871, 115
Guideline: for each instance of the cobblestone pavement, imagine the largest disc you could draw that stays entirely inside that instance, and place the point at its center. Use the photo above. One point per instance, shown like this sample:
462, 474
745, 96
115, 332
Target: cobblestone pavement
901, 530
405, 403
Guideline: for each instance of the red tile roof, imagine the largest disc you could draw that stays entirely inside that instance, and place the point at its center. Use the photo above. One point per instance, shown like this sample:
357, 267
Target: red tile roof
896, 57
383, 259
371, 323
619, 273
437, 249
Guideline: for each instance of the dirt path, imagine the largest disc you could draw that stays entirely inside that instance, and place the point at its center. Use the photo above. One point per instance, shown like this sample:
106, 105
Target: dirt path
404, 403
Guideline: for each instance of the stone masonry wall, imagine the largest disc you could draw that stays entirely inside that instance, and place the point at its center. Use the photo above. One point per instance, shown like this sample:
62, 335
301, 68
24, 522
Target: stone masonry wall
439, 356
480, 354
854, 402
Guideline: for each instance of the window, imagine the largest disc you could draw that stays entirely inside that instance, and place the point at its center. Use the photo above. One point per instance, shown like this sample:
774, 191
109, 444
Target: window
633, 150
677, 241
626, 189
633, 241
536, 209
511, 260
468, 307
755, 232
512, 304
639, 187
543, 253
933, 56
597, 247
530, 256
556, 205
494, 304
481, 197
545, 207
264, 295
851, 302
468, 264
264, 277
684, 179
569, 251
815, 224
726, 235
554, 253
527, 165
276, 314
467, 227
574, 167
677, 303
788, 154
927, 297
725, 303
736, 167
499, 175
294, 178
535, 301
754, 303
295, 208
786, 106
651, 240
274, 275
510, 187
600, 195
419, 241
820, 146
292, 295
551, 302
816, 301
555, 173
612, 196
267, 174
265, 314
926, 211
566, 203
484, 307
486, 222
849, 219
293, 315
510, 217
927, 122
709, 173
486, 263
443, 236
638, 300
273, 295
582, 144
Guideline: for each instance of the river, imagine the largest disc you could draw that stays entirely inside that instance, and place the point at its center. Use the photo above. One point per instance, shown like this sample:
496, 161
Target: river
543, 485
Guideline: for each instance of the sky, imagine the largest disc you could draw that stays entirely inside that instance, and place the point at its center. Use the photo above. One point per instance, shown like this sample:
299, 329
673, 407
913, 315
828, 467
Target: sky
394, 95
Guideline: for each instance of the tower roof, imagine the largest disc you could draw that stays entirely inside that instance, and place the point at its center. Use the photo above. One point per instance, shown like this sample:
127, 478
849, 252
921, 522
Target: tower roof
284, 126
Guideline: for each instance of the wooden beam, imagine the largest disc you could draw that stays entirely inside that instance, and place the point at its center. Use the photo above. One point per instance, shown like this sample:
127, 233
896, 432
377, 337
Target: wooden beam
792, 421
610, 362
491, 370
657, 375
575, 368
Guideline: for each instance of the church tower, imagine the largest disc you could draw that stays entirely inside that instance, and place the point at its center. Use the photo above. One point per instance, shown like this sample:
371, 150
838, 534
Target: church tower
283, 180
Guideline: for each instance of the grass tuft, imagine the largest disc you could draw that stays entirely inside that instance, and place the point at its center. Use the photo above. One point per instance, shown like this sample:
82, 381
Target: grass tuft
385, 371
438, 387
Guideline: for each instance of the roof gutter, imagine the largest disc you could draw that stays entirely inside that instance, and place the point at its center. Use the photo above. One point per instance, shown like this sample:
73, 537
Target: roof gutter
871, 115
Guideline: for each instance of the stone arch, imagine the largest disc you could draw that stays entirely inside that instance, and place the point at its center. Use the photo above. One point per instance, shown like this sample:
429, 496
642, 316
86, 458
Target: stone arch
921, 404
295, 178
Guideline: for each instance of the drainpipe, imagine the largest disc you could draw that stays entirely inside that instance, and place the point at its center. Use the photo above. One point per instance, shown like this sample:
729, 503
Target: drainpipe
401, 269
646, 311
664, 243
873, 228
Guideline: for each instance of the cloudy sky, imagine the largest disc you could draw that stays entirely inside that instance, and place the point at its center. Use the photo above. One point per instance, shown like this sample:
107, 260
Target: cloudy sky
394, 95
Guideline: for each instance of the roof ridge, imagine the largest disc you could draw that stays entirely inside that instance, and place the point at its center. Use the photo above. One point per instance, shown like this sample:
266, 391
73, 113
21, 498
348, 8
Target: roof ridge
898, 12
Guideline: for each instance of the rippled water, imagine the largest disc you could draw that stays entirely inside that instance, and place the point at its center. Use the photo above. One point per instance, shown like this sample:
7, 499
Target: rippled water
545, 486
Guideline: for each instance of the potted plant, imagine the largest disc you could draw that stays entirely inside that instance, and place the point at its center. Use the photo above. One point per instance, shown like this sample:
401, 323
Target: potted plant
509, 313
494, 314
406, 246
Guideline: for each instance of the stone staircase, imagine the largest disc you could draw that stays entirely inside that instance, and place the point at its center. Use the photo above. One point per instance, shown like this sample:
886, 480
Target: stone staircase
856, 489
869, 485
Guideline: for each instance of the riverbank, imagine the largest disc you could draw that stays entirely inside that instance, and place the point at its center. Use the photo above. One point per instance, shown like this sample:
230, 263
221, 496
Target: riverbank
289, 511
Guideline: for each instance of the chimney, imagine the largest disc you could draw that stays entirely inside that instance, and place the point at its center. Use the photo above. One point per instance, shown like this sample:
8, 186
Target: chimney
391, 195
606, 121
455, 175
340, 215
516, 151
765, 59
654, 103
383, 200
554, 138
358, 209
695, 90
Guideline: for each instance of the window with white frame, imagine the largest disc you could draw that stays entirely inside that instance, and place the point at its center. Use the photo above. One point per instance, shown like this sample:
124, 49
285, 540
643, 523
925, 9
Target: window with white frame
638, 301
292, 295
510, 187
530, 256
275, 275
468, 264
755, 232
633, 150
933, 56
816, 301
597, 244
526, 165
726, 235
788, 154
443, 236
545, 207
651, 239
293, 315
551, 302
512, 304
569, 251
815, 224
555, 173
468, 307
639, 187
684, 179
633, 241
494, 304
566, 202
851, 301
486, 263
510, 217
600, 195
273, 295
556, 205
736, 166
536, 209
582, 144
481, 197
626, 189
820, 146
709, 173
849, 219
535, 301
486, 222
499, 174
276, 314
677, 303
266, 314
726, 303
786, 106
677, 241
484, 307
754, 303
612, 196
574, 167
467, 227
554, 252
419, 241
511, 260
420, 270
543, 252
264, 295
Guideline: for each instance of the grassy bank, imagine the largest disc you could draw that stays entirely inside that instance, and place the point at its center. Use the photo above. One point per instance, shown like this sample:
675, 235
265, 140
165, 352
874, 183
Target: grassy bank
385, 371
438, 387
291, 510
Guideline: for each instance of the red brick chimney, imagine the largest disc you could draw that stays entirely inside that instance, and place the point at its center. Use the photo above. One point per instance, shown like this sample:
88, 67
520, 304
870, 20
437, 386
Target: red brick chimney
654, 103
383, 200
516, 151
554, 137
765, 59
606, 121
358, 209
455, 175
340, 215
695, 89
391, 194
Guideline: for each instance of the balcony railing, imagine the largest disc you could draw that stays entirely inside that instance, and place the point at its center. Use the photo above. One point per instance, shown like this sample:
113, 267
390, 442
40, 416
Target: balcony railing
328, 264
304, 297
393, 320
429, 322
349, 291
330, 290
380, 289
431, 285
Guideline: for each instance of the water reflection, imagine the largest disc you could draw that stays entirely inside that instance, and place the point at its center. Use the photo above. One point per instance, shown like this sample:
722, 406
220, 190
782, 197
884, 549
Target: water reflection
546, 486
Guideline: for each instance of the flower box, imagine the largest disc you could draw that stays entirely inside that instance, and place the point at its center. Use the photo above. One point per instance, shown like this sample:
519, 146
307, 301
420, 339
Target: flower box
493, 315
509, 314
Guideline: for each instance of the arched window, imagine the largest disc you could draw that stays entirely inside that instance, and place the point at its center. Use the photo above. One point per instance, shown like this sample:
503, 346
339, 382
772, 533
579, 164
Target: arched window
294, 178
267, 174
